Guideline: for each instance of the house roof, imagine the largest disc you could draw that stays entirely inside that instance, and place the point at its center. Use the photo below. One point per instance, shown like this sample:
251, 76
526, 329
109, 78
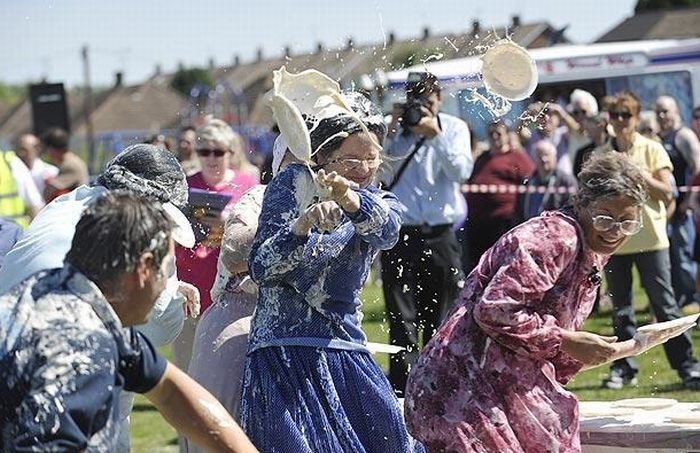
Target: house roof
149, 106
674, 23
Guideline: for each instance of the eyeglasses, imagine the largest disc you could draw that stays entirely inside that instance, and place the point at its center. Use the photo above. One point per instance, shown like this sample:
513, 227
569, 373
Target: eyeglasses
354, 164
206, 152
620, 115
606, 223
578, 112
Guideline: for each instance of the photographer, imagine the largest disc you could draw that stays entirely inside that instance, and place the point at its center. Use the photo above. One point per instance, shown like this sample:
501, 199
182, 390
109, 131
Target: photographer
428, 157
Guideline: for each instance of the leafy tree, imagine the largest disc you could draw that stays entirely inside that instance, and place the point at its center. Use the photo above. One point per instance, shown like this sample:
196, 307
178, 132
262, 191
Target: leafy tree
655, 5
185, 79
11, 94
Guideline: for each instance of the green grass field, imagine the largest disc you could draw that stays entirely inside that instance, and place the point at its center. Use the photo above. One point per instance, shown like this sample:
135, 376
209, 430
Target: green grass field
150, 433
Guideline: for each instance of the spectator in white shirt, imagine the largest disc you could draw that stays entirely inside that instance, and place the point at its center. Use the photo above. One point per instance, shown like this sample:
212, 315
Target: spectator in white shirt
27, 148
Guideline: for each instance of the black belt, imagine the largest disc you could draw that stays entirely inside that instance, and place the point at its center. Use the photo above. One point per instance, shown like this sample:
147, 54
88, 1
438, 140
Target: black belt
427, 230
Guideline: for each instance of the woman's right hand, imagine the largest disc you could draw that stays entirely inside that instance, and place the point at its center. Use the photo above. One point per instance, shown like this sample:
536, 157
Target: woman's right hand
325, 215
589, 348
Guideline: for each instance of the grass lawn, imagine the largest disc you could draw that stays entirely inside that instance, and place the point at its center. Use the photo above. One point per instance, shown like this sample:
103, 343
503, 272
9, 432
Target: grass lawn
150, 433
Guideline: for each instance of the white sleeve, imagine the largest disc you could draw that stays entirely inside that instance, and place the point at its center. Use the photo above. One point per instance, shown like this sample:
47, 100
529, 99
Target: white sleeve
25, 184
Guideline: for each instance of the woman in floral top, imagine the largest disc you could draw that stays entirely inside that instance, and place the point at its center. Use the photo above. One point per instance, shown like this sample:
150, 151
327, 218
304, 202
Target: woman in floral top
491, 380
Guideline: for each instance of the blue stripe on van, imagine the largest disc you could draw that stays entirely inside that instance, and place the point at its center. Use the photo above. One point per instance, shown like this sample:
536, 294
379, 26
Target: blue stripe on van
675, 58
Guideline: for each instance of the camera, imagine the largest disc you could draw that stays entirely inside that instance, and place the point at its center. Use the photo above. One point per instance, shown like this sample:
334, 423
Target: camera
419, 86
411, 112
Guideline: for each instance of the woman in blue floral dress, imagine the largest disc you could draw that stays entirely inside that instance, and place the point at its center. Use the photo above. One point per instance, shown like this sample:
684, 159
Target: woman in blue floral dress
310, 384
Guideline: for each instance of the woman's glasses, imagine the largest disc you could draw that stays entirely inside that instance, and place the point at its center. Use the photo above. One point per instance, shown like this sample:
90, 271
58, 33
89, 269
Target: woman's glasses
606, 223
206, 152
620, 115
354, 164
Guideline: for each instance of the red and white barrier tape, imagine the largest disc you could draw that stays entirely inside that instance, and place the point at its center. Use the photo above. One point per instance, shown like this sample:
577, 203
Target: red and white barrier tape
513, 188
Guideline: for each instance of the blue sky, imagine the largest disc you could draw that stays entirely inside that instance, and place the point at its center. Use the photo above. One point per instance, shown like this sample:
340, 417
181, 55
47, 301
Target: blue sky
43, 37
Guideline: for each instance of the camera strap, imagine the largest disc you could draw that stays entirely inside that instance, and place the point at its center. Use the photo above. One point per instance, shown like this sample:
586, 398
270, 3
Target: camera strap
406, 161
409, 157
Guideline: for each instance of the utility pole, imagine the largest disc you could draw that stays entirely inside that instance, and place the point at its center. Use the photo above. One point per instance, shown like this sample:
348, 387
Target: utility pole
88, 107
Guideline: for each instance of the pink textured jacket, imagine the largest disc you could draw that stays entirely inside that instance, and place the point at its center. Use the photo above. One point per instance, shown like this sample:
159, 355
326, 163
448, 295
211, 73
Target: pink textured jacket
491, 379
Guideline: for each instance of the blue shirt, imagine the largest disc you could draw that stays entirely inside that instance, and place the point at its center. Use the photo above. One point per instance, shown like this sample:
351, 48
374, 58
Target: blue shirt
309, 286
429, 187
64, 358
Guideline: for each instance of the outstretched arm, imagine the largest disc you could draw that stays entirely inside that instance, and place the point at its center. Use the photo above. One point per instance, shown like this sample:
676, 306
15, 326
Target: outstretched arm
194, 412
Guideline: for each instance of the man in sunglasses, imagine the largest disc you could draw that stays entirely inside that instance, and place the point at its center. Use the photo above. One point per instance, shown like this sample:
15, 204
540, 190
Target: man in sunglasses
648, 250
683, 148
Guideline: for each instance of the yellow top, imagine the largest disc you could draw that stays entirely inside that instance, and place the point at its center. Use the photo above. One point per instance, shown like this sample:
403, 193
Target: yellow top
651, 157
11, 204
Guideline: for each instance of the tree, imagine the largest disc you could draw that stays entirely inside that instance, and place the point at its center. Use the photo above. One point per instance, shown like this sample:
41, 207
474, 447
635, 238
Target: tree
185, 79
655, 5
11, 94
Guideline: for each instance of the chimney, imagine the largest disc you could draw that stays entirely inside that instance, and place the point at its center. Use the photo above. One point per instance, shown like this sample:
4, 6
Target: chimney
118, 79
349, 44
259, 55
426, 34
212, 64
515, 21
392, 38
236, 61
180, 66
476, 27
158, 71
319, 47
287, 51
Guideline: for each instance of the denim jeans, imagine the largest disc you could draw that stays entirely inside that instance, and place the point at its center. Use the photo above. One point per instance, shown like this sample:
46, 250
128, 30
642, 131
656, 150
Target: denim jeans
654, 271
683, 268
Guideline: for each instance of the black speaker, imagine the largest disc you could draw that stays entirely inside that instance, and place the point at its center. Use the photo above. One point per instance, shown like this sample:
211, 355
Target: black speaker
49, 107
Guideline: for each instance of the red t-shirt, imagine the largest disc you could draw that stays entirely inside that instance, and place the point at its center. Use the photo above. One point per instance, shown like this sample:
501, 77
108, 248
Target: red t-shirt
198, 264
508, 169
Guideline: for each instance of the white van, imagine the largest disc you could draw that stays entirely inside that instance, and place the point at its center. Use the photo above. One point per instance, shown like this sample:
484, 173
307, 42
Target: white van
647, 68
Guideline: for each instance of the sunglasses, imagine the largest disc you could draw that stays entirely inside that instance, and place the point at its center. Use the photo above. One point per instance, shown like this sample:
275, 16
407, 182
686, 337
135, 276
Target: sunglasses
620, 115
206, 152
578, 112
605, 223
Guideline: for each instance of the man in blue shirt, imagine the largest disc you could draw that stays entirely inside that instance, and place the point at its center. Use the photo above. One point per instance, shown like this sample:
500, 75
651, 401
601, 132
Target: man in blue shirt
67, 348
429, 157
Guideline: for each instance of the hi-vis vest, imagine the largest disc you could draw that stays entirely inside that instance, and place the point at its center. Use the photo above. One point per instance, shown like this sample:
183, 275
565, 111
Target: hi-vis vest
11, 205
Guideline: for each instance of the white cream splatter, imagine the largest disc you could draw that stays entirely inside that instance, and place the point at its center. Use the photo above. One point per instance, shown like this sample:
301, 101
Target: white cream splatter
215, 413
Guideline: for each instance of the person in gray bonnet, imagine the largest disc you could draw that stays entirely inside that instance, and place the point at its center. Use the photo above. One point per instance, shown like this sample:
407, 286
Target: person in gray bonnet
143, 169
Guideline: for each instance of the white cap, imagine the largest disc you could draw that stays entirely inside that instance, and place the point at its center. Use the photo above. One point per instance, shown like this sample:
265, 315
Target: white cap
182, 230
